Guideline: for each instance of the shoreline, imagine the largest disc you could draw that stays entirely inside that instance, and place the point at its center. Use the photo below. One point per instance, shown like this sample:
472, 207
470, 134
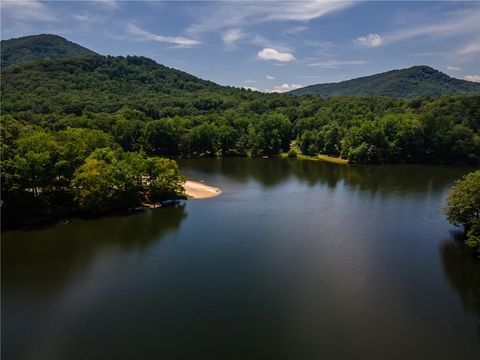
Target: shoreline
199, 190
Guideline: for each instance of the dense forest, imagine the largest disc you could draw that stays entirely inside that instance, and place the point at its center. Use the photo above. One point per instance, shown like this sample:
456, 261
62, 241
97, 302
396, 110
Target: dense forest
86, 131
146, 106
405, 83
39, 47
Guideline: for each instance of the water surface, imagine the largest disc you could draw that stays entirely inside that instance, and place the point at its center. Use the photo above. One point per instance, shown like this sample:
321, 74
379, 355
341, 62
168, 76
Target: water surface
295, 260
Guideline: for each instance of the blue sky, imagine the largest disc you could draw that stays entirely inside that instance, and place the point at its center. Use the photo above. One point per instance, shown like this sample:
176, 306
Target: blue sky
266, 45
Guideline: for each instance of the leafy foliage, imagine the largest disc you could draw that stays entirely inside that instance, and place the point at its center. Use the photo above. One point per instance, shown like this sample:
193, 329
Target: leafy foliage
464, 206
114, 180
147, 106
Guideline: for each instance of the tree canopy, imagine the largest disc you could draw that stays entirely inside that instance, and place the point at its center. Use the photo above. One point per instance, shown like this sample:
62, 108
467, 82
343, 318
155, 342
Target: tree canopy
464, 206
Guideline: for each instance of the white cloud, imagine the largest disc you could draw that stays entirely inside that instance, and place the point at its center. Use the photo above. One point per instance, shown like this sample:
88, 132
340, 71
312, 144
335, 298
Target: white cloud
238, 13
270, 77
250, 88
469, 48
272, 54
333, 64
231, 36
141, 34
250, 81
475, 78
371, 40
27, 10
455, 23
285, 87
453, 68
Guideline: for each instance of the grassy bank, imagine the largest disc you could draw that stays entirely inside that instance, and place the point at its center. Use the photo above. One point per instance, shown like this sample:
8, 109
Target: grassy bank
330, 159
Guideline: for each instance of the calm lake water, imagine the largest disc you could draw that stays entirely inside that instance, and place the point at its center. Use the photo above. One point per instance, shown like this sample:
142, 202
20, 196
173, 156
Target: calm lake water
295, 260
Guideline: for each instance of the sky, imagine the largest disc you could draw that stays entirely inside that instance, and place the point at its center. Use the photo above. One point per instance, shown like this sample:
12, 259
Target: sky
266, 45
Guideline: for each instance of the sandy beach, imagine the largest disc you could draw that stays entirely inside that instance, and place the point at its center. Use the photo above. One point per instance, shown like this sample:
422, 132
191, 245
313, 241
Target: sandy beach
198, 190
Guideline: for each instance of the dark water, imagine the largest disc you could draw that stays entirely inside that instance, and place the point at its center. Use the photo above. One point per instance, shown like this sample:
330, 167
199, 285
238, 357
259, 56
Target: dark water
295, 260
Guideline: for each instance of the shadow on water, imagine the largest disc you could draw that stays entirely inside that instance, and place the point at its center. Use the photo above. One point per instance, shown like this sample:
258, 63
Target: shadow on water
50, 257
462, 270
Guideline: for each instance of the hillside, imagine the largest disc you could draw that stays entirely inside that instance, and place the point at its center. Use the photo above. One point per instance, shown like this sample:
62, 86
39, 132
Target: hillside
146, 106
404, 83
39, 47
102, 84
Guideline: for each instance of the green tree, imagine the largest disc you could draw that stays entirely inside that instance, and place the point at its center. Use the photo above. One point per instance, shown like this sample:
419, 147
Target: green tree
35, 159
270, 134
162, 179
463, 206
163, 136
127, 133
203, 139
308, 142
93, 186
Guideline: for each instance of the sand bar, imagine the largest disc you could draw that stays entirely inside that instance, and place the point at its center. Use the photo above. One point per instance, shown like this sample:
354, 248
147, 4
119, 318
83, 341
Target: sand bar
198, 190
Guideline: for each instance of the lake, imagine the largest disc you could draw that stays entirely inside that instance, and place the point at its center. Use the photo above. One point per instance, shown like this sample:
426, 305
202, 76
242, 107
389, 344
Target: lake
294, 260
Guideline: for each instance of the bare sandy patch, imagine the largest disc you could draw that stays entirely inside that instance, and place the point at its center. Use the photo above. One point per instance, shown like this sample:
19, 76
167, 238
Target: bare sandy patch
198, 190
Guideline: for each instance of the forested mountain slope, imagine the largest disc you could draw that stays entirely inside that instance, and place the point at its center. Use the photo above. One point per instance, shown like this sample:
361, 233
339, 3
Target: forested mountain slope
405, 83
98, 83
39, 47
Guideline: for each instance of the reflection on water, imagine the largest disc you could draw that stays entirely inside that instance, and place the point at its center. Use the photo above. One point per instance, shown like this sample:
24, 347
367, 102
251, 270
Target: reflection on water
47, 258
463, 273
404, 179
295, 260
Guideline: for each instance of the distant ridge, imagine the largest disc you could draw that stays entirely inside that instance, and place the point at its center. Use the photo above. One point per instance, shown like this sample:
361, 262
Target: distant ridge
39, 47
417, 81
405, 83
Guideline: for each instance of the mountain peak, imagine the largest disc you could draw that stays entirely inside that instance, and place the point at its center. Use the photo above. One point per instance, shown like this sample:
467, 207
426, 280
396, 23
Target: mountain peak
419, 80
39, 47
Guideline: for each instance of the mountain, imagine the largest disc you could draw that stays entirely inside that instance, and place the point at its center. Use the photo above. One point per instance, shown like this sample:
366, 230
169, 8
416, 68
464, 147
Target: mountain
404, 83
39, 47
105, 84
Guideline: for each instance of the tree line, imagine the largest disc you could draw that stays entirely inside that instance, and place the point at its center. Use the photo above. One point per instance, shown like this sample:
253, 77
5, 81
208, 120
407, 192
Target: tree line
65, 121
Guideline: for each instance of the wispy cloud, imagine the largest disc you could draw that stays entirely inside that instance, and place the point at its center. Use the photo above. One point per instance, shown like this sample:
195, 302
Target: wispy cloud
27, 10
88, 19
250, 81
470, 48
141, 34
295, 30
109, 3
272, 54
459, 22
461, 54
267, 43
475, 78
268, 77
333, 64
231, 36
235, 14
453, 68
370, 40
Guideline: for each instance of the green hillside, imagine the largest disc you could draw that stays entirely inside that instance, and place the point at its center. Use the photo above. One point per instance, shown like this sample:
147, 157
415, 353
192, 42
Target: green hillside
39, 47
405, 83
100, 84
